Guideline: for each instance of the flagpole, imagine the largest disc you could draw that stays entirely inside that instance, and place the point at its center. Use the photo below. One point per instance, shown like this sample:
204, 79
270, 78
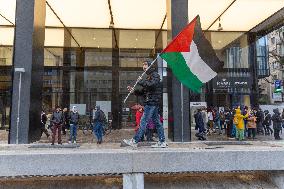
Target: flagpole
181, 107
138, 81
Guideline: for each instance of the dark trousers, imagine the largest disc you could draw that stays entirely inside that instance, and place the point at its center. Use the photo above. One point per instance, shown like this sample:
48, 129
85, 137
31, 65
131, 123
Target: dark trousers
229, 128
63, 128
251, 131
44, 130
58, 128
268, 130
259, 128
276, 133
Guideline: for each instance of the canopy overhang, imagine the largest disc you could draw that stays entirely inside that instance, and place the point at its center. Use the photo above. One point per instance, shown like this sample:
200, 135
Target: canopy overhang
235, 15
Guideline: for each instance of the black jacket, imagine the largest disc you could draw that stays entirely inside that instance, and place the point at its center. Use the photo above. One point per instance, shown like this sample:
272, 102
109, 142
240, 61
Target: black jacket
259, 116
150, 88
199, 121
43, 119
74, 118
277, 120
66, 118
267, 119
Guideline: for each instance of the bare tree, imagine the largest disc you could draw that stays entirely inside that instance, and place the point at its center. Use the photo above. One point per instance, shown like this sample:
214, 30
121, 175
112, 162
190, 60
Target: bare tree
277, 56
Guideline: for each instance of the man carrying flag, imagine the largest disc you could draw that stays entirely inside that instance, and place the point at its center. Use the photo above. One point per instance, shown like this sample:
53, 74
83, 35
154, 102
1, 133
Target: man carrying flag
193, 62
151, 89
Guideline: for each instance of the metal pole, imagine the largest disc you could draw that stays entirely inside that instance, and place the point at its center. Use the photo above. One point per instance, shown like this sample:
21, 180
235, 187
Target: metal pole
181, 95
18, 113
138, 81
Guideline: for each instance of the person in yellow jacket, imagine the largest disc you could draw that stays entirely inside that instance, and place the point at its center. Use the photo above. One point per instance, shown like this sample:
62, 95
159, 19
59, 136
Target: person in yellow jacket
240, 125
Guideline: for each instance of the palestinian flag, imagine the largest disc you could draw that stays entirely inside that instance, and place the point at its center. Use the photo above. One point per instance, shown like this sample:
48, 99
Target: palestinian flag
191, 57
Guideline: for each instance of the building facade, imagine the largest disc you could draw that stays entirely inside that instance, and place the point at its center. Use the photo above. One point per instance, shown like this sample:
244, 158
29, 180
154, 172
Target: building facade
275, 51
70, 59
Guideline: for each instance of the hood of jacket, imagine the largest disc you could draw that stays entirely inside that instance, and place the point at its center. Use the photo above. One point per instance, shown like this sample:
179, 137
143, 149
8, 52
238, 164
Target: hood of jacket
98, 107
238, 111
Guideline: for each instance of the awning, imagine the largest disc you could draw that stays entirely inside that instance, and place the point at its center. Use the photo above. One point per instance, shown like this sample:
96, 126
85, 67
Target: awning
236, 15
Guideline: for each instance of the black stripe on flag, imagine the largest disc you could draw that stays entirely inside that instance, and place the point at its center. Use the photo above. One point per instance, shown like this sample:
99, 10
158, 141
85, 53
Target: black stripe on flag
205, 49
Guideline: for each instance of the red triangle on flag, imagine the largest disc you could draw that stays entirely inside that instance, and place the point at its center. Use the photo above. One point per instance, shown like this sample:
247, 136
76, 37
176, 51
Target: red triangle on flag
182, 41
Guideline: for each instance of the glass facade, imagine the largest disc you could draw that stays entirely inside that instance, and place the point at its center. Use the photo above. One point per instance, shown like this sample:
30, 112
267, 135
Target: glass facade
89, 66
232, 86
97, 72
6, 56
262, 57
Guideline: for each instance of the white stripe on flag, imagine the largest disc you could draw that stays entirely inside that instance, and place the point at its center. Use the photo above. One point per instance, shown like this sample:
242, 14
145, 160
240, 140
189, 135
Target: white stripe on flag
197, 66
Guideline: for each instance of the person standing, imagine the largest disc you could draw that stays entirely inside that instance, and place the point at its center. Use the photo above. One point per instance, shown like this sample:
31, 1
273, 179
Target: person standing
210, 121
251, 125
73, 120
151, 89
277, 120
239, 121
138, 117
65, 124
199, 125
267, 123
204, 117
43, 123
217, 121
228, 122
282, 116
259, 121
245, 112
57, 121
99, 119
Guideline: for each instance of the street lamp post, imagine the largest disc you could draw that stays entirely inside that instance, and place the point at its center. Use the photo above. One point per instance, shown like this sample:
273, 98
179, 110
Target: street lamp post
20, 71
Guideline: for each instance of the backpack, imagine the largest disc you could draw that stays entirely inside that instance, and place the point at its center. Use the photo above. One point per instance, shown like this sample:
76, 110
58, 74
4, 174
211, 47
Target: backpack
102, 117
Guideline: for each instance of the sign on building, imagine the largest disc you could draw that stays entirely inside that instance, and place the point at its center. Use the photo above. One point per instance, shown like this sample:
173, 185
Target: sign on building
231, 82
277, 86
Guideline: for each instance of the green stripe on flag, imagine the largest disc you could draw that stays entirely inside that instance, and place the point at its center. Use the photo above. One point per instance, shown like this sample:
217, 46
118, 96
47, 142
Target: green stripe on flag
182, 72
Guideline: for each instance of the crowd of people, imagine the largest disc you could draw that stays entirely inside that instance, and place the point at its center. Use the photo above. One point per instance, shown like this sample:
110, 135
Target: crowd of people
240, 123
62, 120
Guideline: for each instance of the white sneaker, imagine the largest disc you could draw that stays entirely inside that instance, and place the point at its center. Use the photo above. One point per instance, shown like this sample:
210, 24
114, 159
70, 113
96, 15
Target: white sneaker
74, 142
69, 142
160, 145
130, 142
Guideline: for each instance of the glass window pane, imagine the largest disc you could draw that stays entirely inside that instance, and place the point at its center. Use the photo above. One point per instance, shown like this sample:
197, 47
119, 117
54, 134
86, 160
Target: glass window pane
96, 57
98, 38
133, 57
136, 39
53, 56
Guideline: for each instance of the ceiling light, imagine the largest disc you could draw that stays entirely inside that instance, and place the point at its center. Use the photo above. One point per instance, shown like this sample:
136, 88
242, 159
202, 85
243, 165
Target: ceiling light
94, 38
136, 39
98, 47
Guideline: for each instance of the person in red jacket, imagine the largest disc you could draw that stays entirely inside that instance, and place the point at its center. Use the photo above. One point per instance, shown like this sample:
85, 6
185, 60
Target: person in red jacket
138, 117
